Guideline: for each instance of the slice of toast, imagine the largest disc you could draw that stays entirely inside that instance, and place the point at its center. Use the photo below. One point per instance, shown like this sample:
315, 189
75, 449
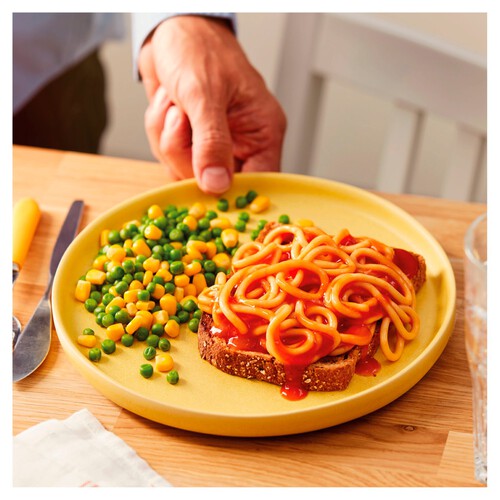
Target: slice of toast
331, 373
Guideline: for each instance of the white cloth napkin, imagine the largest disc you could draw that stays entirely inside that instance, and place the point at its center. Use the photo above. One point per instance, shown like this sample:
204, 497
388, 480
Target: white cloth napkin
78, 451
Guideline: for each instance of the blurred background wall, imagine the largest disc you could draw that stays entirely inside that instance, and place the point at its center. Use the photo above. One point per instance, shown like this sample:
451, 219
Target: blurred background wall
353, 123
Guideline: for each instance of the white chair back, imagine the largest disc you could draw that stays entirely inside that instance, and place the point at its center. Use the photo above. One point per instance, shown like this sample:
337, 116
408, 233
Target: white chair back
418, 74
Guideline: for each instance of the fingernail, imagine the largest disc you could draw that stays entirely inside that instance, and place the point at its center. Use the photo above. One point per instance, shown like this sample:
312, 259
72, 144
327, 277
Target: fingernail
215, 180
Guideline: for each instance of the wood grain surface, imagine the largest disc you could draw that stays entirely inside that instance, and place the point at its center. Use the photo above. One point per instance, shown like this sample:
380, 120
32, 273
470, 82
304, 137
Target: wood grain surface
421, 439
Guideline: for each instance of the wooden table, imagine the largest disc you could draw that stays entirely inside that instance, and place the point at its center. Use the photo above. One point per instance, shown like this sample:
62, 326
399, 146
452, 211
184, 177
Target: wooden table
421, 439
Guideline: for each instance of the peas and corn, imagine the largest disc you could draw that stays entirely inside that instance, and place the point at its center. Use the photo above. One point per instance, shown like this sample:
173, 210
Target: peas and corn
145, 279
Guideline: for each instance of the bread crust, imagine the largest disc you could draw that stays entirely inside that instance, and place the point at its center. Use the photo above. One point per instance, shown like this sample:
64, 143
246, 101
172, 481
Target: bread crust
331, 373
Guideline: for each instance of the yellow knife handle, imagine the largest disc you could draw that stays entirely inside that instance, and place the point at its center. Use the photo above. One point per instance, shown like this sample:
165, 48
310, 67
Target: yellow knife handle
25, 221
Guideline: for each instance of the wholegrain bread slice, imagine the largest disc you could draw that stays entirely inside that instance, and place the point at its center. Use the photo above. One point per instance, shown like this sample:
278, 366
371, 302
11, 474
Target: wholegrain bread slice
331, 373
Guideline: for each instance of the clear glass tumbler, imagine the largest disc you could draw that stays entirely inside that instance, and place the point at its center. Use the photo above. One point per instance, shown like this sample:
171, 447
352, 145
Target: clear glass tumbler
475, 264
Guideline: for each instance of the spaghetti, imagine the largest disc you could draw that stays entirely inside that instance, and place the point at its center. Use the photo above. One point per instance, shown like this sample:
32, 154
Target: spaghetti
300, 294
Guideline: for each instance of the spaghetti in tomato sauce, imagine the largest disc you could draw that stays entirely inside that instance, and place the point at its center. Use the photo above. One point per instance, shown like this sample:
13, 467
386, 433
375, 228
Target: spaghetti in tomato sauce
300, 294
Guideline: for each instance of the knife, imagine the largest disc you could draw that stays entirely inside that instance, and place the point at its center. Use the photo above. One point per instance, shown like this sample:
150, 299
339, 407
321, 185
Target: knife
34, 342
25, 218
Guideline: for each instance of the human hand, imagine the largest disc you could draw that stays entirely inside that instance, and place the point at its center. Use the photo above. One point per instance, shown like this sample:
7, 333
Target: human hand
210, 113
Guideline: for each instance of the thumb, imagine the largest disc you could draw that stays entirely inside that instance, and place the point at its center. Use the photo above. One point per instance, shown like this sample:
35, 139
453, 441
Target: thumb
212, 150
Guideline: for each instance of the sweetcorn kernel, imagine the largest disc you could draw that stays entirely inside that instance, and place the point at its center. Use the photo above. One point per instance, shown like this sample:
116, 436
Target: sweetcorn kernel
154, 211
115, 331
87, 340
95, 276
197, 210
160, 316
82, 291
169, 304
222, 260
172, 328
260, 204
164, 362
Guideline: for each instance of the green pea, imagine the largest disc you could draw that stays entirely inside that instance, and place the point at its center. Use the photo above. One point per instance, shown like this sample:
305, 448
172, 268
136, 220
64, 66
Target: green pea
241, 201
108, 346
113, 310
254, 234
240, 226
164, 344
124, 234
161, 222
146, 370
114, 237
223, 205
244, 216
177, 267
88, 331
107, 298
204, 223
158, 280
211, 214
153, 340
198, 314
209, 266
183, 316
132, 228
194, 324
128, 266
142, 333
216, 232
251, 195
127, 339
140, 259
190, 306
149, 352
96, 295
139, 275
175, 318
175, 254
151, 287
95, 354
122, 316
143, 295
284, 219
107, 320
156, 330
210, 278
90, 305
128, 278
170, 287
121, 287
172, 377
176, 235
261, 224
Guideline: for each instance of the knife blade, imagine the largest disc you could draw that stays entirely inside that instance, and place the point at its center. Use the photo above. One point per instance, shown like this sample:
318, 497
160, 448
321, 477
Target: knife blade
34, 342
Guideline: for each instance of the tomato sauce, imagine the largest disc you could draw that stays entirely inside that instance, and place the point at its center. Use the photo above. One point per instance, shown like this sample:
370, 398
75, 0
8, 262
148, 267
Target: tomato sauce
406, 261
295, 365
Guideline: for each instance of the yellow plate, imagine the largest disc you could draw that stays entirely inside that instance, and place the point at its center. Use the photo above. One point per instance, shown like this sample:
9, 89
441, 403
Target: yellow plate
209, 401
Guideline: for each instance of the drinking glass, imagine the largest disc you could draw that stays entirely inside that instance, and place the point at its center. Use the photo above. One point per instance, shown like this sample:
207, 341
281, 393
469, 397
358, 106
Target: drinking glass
475, 264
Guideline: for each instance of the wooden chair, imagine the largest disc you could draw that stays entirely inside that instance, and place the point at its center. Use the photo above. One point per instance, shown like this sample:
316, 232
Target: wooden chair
418, 74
